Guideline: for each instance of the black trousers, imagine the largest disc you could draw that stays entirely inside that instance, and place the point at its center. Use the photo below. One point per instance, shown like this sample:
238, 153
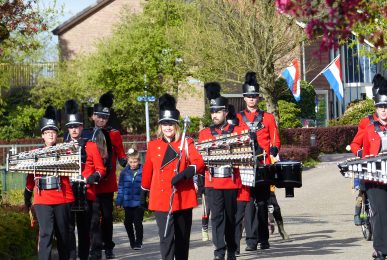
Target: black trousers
377, 196
277, 210
251, 223
262, 195
223, 207
83, 221
176, 244
207, 197
53, 218
133, 225
241, 207
102, 222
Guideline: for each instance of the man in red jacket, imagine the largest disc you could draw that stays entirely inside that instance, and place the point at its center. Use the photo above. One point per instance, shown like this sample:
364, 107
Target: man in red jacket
108, 185
52, 198
84, 189
264, 132
357, 150
224, 182
375, 142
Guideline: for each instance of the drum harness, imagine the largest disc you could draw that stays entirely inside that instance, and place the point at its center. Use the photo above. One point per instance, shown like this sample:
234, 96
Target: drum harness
222, 171
254, 127
383, 136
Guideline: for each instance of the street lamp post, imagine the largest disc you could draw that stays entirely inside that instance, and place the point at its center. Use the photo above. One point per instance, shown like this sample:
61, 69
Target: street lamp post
146, 99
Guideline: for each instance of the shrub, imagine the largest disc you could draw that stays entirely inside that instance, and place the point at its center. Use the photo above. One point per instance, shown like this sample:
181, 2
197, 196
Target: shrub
328, 139
298, 153
289, 115
17, 238
355, 111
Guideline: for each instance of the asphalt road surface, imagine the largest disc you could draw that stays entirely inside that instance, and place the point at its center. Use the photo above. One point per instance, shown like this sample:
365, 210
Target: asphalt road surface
319, 220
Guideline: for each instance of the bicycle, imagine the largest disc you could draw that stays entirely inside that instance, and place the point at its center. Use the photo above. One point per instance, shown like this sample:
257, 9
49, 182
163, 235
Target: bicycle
366, 226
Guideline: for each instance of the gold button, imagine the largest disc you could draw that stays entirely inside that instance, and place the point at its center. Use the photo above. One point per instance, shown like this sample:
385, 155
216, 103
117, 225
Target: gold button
162, 190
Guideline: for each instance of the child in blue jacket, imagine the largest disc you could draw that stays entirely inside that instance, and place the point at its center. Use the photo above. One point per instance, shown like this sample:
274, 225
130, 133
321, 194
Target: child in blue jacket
128, 197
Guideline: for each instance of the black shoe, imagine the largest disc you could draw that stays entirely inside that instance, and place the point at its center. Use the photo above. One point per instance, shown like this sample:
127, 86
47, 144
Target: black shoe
231, 256
137, 247
109, 254
218, 257
237, 253
250, 248
264, 245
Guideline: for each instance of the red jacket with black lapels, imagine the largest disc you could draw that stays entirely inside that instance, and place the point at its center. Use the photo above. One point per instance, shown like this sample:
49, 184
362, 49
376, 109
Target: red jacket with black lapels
268, 135
109, 184
220, 183
357, 142
157, 179
51, 197
94, 163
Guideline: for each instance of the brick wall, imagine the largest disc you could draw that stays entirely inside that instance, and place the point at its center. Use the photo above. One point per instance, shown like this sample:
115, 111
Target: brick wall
191, 100
83, 37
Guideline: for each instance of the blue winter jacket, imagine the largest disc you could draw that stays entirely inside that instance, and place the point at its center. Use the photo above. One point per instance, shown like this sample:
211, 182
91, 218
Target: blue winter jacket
129, 187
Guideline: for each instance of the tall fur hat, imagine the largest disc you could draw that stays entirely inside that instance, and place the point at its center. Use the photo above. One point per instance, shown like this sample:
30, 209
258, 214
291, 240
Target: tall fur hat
72, 116
251, 86
217, 102
104, 105
379, 90
167, 109
49, 120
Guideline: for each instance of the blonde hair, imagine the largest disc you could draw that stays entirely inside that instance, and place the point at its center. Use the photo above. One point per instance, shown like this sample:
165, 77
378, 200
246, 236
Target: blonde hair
133, 152
177, 131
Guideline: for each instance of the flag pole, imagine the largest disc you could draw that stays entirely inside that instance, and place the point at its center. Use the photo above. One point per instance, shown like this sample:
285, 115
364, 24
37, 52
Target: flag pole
324, 69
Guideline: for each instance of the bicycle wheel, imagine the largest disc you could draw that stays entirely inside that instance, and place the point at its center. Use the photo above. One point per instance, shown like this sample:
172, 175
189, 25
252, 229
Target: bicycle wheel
367, 231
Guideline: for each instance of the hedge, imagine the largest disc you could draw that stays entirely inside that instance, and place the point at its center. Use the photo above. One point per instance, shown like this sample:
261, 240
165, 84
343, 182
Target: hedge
329, 139
17, 239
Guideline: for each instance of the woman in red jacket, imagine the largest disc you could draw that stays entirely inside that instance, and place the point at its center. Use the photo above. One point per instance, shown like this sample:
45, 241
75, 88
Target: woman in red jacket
161, 175
374, 142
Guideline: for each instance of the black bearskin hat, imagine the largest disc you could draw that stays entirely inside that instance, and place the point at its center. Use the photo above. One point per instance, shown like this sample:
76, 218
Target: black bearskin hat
167, 109
251, 86
104, 105
232, 119
379, 90
73, 118
49, 121
217, 102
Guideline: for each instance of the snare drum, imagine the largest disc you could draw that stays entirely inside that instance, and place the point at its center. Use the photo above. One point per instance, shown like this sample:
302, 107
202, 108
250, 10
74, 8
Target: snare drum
80, 199
288, 174
265, 174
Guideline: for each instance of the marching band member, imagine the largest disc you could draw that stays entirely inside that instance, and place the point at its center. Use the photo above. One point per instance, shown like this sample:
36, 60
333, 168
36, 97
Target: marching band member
224, 183
52, 198
357, 150
374, 142
93, 170
170, 167
264, 131
107, 185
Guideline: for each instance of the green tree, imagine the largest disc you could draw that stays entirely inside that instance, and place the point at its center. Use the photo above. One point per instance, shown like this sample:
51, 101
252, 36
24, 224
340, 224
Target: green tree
225, 39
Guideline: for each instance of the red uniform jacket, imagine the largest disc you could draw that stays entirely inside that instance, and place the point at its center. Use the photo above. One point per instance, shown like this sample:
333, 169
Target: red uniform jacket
371, 140
220, 183
158, 180
244, 194
268, 135
357, 142
94, 163
51, 197
109, 184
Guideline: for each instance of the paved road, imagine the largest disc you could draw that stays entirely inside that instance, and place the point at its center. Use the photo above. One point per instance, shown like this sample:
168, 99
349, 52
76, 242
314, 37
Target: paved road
319, 219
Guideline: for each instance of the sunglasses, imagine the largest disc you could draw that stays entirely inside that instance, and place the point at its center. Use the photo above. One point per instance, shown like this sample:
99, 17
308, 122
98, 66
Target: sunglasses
251, 96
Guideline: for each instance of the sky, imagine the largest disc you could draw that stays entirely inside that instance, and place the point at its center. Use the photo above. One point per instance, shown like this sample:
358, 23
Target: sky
67, 8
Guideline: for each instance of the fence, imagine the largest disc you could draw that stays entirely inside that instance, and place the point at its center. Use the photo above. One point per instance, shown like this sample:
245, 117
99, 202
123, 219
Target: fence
11, 180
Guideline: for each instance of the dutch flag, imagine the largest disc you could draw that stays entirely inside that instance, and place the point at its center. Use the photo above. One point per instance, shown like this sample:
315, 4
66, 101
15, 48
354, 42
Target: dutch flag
292, 76
333, 75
